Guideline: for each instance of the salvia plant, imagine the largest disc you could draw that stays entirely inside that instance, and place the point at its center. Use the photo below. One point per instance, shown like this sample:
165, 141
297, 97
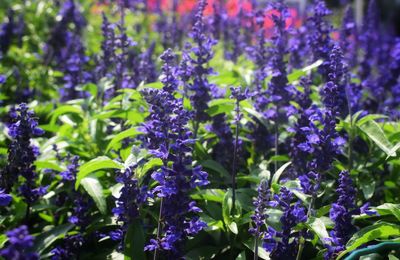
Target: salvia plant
179, 129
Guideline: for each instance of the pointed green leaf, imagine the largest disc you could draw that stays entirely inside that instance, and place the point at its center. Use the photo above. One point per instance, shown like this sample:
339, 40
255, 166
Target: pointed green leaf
131, 132
250, 244
279, 172
134, 242
318, 226
376, 134
46, 239
93, 187
64, 110
99, 163
381, 230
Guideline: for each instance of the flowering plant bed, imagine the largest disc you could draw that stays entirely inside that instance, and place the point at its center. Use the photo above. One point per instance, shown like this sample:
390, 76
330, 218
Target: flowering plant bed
198, 130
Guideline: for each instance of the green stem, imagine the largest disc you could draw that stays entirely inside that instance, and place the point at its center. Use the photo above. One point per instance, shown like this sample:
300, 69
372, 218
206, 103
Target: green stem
302, 240
195, 129
276, 147
234, 159
256, 246
158, 227
27, 213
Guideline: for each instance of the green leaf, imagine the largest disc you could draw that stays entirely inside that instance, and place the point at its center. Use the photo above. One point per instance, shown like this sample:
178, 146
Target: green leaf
3, 240
220, 106
46, 217
381, 230
295, 75
318, 226
203, 252
48, 165
215, 195
233, 227
131, 132
153, 163
44, 240
389, 208
392, 152
376, 134
216, 167
91, 88
134, 242
226, 212
368, 118
250, 244
3, 151
367, 185
257, 115
93, 187
313, 66
99, 163
64, 110
226, 207
279, 172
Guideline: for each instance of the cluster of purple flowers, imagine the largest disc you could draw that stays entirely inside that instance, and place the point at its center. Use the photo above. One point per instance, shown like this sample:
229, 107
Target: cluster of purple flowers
341, 214
196, 67
279, 92
131, 198
69, 248
5, 198
168, 138
319, 38
121, 59
6, 33
19, 245
80, 215
348, 36
334, 91
65, 46
260, 203
22, 154
283, 244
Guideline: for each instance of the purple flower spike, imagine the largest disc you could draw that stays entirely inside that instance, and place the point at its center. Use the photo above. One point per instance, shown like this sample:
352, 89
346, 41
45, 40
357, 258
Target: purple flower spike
168, 137
22, 154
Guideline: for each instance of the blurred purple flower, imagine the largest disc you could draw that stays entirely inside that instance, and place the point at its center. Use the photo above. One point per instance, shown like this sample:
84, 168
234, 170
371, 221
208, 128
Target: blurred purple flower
19, 246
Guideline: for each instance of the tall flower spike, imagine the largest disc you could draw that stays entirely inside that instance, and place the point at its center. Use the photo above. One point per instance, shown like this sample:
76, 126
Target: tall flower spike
19, 246
259, 55
284, 244
200, 89
392, 85
260, 203
131, 197
147, 68
80, 215
22, 154
168, 138
341, 214
319, 35
106, 61
73, 66
298, 47
6, 33
370, 41
306, 136
279, 91
334, 92
60, 34
348, 36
